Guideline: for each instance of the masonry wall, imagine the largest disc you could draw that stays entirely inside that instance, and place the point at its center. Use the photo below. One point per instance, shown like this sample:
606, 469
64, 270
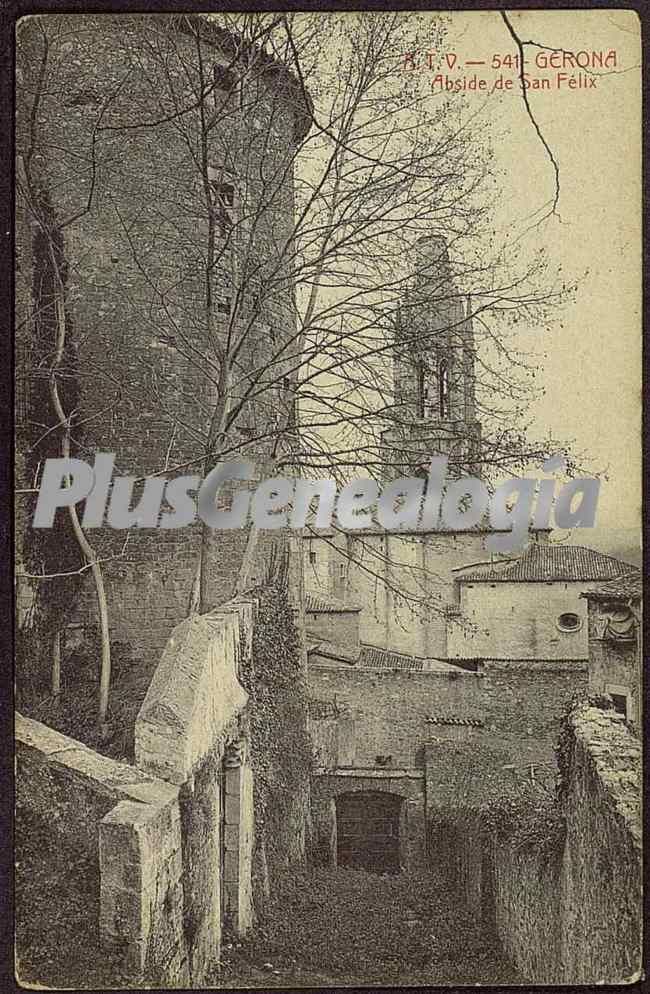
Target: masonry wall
614, 664
518, 621
408, 731
190, 731
338, 627
123, 824
125, 188
408, 785
385, 712
577, 918
390, 574
171, 837
602, 870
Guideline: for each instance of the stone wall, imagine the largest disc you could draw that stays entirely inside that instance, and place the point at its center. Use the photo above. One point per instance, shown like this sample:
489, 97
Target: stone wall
191, 732
602, 871
416, 734
365, 713
527, 911
122, 177
577, 919
403, 580
172, 836
615, 665
407, 785
334, 631
128, 825
518, 621
367, 567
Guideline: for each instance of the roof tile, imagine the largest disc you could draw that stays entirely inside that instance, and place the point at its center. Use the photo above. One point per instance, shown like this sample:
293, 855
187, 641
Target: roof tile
626, 586
326, 604
542, 563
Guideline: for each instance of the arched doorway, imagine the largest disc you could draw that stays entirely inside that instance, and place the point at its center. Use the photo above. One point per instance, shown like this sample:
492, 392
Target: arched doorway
367, 831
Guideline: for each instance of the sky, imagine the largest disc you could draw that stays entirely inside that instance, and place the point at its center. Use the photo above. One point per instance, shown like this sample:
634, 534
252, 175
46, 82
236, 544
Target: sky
592, 372
591, 366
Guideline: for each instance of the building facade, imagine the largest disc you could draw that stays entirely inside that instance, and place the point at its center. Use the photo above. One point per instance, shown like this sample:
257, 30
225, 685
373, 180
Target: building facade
425, 649
168, 211
615, 624
531, 608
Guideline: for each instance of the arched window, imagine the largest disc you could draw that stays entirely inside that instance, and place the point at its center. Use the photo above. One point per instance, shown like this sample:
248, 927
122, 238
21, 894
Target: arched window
443, 388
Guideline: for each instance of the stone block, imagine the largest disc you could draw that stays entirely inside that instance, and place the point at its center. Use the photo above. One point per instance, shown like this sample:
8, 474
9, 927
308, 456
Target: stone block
232, 810
233, 781
231, 867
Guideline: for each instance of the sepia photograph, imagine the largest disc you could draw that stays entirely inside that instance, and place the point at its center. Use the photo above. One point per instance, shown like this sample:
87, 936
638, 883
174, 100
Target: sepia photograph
327, 497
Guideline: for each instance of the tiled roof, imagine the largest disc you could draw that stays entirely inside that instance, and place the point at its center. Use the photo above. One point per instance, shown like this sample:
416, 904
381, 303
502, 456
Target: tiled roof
384, 659
325, 604
318, 646
541, 563
625, 586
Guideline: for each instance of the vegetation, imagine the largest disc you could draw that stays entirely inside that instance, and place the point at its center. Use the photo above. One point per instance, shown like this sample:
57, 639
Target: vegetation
334, 925
74, 711
57, 908
279, 740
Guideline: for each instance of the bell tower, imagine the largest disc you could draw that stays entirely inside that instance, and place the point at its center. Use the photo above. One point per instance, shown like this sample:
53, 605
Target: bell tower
434, 409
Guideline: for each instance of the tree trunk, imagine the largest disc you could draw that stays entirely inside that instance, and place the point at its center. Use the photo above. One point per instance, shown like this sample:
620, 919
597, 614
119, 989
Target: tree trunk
56, 667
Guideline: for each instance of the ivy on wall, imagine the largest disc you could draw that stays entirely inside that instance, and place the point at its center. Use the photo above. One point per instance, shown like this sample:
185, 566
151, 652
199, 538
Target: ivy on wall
485, 790
513, 810
280, 746
566, 739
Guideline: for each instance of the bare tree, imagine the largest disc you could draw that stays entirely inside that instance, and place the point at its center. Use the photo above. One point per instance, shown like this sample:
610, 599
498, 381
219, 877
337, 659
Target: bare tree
279, 266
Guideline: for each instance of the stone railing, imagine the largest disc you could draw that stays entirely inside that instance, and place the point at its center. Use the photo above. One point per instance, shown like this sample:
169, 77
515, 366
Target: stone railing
162, 831
131, 822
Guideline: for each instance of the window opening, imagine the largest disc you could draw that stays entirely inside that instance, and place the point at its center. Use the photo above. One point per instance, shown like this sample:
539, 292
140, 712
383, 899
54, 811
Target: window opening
444, 389
569, 622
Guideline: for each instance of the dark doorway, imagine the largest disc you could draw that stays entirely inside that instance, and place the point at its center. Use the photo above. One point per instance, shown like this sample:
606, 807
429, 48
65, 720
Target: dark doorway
367, 831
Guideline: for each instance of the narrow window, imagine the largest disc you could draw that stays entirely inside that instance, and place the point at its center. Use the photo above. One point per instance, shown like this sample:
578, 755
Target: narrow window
312, 556
420, 389
443, 386
223, 200
342, 571
223, 305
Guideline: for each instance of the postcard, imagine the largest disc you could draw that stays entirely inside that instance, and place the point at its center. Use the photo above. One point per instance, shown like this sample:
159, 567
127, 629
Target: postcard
328, 499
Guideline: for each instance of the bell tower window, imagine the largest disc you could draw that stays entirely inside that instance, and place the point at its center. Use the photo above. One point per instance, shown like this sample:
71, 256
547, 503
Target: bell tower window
421, 388
443, 388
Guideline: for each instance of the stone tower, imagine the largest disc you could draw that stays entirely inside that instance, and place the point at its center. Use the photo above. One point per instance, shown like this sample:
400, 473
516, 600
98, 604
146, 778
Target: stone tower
145, 235
434, 380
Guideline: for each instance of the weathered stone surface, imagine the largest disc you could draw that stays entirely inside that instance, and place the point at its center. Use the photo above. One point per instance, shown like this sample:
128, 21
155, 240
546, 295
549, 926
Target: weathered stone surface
189, 716
111, 293
130, 821
371, 713
159, 840
601, 895
407, 785
577, 920
194, 696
